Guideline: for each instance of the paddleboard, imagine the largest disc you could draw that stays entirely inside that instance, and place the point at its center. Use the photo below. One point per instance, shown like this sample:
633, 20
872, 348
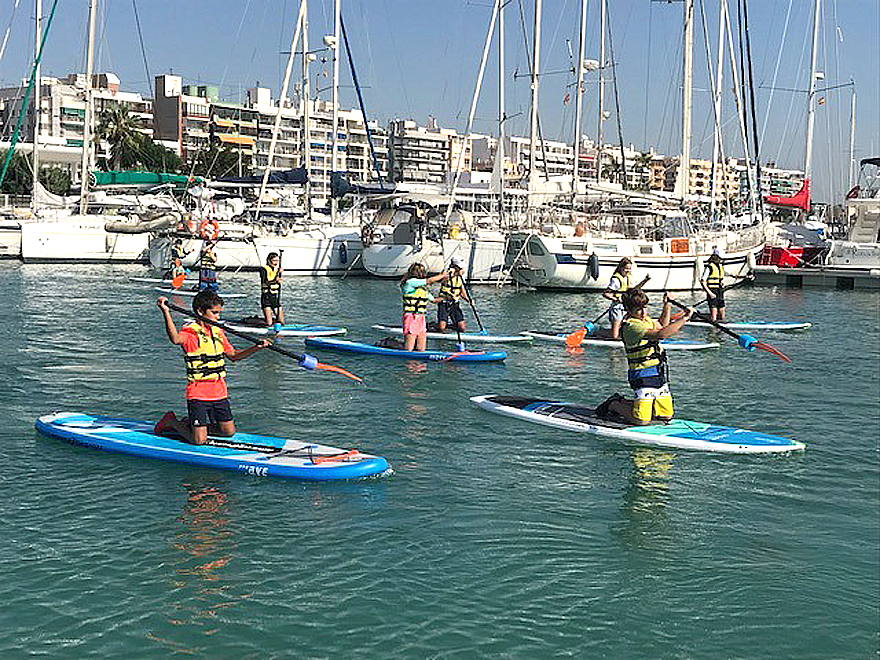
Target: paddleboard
288, 330
429, 356
159, 280
191, 293
677, 434
771, 326
668, 344
453, 336
263, 456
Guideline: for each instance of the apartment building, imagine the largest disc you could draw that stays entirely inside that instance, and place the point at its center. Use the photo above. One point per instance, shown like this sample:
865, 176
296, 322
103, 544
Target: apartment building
424, 154
727, 177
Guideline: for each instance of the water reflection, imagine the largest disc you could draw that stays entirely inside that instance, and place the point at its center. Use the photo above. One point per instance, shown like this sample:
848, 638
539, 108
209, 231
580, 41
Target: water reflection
205, 533
645, 498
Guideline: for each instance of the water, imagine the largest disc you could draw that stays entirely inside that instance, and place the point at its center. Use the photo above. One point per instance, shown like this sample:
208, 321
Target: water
493, 538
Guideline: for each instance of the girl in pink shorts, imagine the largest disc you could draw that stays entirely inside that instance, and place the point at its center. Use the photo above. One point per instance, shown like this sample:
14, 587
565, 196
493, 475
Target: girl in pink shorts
415, 295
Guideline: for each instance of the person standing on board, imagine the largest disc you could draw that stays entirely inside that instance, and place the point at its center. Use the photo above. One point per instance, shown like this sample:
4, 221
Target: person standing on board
208, 267
175, 259
415, 294
204, 347
270, 290
452, 289
648, 371
621, 282
712, 281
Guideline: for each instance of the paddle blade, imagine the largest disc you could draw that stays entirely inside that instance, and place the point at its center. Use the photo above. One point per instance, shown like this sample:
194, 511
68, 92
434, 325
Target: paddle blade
575, 338
772, 351
339, 370
178, 279
352, 454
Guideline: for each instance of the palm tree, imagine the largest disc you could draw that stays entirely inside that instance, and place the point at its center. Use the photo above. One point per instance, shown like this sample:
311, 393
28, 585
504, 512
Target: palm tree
120, 130
643, 167
611, 171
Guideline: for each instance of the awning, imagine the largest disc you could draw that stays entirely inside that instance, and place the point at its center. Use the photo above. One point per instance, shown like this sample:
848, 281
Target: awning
246, 140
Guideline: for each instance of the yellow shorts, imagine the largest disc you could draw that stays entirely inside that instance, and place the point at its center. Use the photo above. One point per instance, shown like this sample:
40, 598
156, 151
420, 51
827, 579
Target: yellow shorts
650, 403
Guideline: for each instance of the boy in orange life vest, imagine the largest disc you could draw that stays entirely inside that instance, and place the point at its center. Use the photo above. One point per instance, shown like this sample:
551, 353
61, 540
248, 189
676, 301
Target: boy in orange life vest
204, 347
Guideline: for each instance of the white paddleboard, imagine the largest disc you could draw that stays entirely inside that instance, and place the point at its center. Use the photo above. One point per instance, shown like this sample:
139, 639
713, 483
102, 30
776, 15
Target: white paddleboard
191, 293
467, 337
771, 326
668, 344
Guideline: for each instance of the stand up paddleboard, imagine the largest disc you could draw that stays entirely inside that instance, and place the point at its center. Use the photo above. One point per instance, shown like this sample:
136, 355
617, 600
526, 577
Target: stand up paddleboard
160, 280
771, 326
451, 335
677, 434
668, 344
191, 293
428, 356
263, 456
287, 330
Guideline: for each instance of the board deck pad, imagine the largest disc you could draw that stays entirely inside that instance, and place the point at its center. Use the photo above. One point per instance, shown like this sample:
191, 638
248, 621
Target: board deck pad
243, 452
678, 433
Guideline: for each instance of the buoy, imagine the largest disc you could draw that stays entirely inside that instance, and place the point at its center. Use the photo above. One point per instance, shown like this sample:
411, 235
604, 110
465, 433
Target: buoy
209, 229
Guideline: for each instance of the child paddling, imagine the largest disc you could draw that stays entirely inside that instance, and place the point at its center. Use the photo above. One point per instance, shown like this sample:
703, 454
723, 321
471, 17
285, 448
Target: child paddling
204, 348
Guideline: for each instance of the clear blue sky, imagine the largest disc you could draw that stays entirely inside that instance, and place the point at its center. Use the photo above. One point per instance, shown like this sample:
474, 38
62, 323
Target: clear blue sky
416, 58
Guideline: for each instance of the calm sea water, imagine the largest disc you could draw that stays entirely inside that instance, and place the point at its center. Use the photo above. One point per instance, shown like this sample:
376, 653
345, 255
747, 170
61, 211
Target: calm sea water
492, 538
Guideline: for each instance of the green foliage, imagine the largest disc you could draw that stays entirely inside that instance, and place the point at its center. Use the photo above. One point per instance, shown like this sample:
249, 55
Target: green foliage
214, 162
19, 177
129, 148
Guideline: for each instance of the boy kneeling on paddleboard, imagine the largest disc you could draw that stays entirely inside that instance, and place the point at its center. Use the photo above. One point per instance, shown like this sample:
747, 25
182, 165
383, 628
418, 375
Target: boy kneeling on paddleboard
204, 348
648, 372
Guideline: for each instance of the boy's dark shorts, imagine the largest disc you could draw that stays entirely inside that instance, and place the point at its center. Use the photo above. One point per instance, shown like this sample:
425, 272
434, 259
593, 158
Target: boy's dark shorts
202, 413
270, 300
718, 300
447, 311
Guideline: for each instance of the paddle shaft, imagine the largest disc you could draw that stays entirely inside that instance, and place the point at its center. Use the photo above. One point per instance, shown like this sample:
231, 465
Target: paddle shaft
237, 333
473, 307
705, 318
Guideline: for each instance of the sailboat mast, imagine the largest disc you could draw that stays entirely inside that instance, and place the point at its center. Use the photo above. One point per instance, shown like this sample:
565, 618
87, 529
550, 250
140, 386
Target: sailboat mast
579, 102
533, 132
602, 30
811, 107
852, 138
686, 103
499, 151
335, 144
87, 123
38, 22
719, 77
306, 114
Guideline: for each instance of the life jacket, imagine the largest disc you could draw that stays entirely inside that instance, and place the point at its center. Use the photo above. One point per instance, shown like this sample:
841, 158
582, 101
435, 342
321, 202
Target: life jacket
643, 354
623, 280
451, 288
271, 280
206, 362
209, 261
715, 280
416, 301
176, 255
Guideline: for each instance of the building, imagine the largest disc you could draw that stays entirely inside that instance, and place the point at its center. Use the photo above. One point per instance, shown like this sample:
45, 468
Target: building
424, 154
182, 116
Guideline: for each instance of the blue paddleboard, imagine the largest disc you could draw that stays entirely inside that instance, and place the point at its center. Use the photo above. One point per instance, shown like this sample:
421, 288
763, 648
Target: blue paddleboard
260, 455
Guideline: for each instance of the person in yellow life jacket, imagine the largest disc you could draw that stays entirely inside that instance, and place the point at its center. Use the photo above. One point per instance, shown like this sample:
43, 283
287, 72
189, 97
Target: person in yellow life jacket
205, 348
175, 259
270, 290
451, 291
415, 295
621, 282
712, 281
208, 268
648, 372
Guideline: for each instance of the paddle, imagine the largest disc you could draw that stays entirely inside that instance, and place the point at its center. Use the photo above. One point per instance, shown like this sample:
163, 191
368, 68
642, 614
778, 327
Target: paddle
178, 279
575, 338
745, 341
285, 451
306, 361
473, 307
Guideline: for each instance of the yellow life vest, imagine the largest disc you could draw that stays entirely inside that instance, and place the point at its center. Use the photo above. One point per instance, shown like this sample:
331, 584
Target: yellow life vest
715, 279
206, 362
209, 261
640, 351
271, 280
416, 302
452, 287
176, 256
623, 280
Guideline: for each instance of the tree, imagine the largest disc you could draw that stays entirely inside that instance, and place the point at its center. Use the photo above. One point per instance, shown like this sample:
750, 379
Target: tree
218, 162
643, 166
612, 170
19, 177
120, 130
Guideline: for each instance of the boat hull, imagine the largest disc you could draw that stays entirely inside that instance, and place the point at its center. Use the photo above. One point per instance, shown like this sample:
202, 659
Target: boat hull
482, 258
81, 238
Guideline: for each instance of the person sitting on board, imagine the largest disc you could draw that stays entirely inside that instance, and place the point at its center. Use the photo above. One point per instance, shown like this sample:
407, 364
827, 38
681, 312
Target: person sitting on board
208, 268
648, 371
712, 281
621, 282
204, 348
415, 294
270, 290
452, 289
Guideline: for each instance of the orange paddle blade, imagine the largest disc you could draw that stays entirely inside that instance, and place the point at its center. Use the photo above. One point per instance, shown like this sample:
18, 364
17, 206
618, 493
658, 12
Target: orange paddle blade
772, 351
339, 370
575, 338
178, 279
335, 457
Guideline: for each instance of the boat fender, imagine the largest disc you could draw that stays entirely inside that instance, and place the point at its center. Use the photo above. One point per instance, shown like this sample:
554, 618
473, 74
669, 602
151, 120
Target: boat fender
747, 342
209, 229
309, 362
593, 265
366, 235
343, 253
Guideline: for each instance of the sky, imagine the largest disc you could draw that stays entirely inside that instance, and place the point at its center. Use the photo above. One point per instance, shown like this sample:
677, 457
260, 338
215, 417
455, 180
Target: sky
416, 59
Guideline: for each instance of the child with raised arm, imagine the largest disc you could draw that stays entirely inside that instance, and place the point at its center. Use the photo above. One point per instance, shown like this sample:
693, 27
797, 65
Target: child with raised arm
204, 347
415, 294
